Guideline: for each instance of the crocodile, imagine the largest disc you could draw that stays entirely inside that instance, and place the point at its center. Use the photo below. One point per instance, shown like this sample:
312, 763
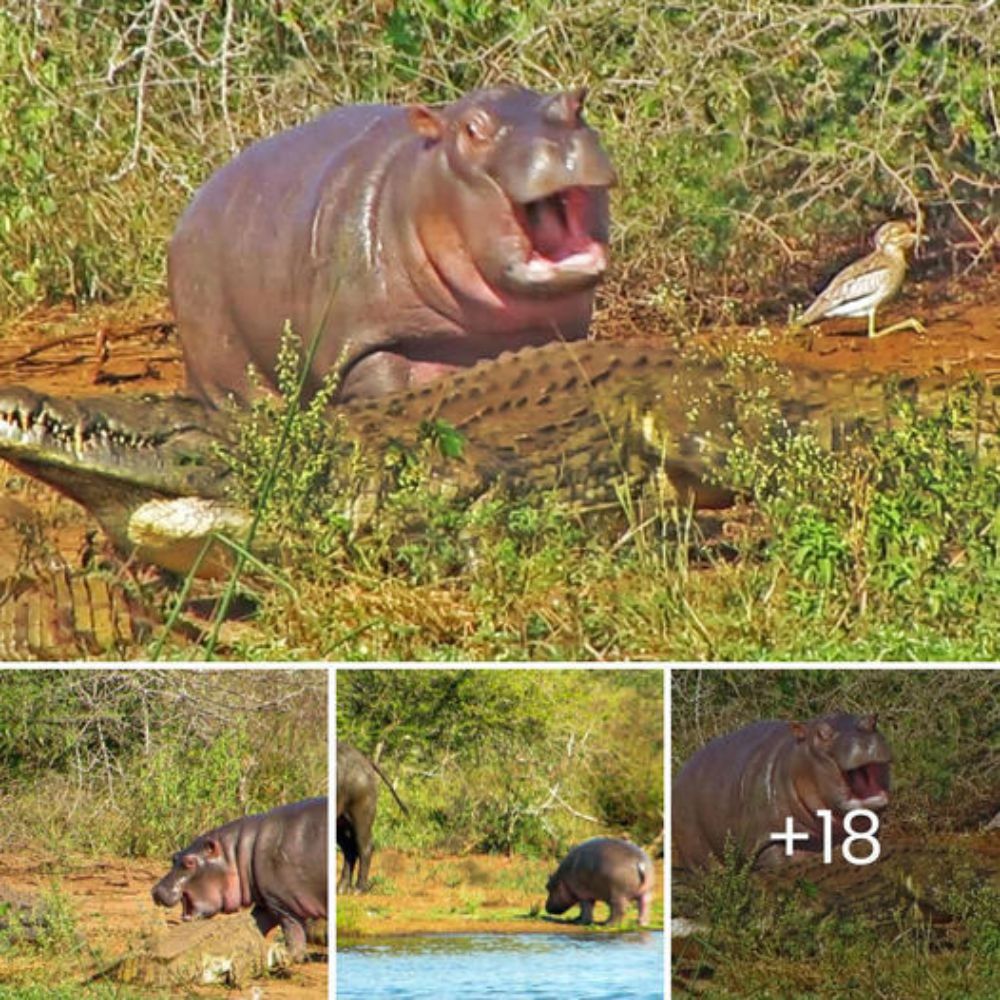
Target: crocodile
62, 614
595, 421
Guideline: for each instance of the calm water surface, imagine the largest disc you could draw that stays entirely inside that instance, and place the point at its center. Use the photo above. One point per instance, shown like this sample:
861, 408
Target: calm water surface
514, 966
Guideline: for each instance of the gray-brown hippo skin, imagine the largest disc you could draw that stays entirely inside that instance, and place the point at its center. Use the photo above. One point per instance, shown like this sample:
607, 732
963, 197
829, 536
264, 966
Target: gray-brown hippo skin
357, 799
744, 784
416, 240
604, 868
275, 862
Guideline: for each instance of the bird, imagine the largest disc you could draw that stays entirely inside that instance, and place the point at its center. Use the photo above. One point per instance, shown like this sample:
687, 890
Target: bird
866, 284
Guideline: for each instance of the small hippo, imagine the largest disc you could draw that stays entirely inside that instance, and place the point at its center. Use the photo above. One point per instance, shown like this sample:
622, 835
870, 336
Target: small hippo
275, 862
602, 868
742, 786
411, 240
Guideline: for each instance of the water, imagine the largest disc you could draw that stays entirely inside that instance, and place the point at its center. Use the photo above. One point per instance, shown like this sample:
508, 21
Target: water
513, 966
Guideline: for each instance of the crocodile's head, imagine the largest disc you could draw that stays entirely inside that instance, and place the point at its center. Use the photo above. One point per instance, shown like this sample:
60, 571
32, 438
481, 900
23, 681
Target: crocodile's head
144, 466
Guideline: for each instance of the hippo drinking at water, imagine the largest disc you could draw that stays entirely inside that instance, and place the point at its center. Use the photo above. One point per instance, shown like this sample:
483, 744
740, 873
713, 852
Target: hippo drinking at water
742, 787
411, 240
275, 862
614, 871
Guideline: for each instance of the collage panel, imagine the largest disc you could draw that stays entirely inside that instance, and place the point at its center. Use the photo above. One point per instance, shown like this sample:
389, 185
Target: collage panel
427, 330
500, 833
835, 833
165, 834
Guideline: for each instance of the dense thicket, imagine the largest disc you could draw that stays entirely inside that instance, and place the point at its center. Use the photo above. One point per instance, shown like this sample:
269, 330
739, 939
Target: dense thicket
748, 134
134, 761
511, 760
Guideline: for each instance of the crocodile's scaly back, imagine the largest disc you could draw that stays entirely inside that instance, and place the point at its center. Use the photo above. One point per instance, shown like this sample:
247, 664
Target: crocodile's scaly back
64, 615
589, 419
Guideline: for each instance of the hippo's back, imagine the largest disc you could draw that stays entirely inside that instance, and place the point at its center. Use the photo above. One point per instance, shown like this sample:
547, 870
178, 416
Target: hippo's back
713, 789
254, 248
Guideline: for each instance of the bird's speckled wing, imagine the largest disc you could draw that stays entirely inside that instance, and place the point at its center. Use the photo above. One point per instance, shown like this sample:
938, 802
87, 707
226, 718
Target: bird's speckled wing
852, 292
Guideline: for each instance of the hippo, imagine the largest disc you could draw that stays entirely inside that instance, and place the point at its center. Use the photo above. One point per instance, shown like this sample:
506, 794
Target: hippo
606, 868
742, 786
275, 862
357, 797
407, 240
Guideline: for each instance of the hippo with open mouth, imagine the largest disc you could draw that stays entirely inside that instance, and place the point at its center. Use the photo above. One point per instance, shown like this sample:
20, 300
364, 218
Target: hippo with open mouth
410, 240
742, 787
275, 862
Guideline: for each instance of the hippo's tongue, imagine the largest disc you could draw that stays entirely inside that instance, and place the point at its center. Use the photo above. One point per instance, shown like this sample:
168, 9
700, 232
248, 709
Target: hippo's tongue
556, 224
865, 782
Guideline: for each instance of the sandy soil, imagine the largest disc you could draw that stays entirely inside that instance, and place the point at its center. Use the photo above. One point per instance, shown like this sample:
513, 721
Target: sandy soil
133, 348
476, 893
111, 901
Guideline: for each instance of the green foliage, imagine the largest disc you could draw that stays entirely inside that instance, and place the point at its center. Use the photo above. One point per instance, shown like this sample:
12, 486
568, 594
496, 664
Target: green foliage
132, 762
780, 942
741, 131
901, 522
48, 927
502, 761
200, 782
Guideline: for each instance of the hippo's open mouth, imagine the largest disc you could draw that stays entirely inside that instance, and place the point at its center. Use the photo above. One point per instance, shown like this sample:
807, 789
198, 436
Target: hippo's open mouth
561, 248
187, 907
868, 786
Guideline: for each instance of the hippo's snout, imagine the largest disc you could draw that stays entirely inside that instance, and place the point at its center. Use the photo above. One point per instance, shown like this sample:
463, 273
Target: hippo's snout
166, 893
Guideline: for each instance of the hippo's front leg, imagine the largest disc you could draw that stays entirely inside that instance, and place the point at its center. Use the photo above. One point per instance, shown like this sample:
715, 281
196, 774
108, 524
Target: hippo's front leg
293, 930
586, 911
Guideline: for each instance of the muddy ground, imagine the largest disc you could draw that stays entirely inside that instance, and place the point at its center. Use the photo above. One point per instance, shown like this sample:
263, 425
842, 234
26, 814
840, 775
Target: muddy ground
133, 348
477, 893
110, 901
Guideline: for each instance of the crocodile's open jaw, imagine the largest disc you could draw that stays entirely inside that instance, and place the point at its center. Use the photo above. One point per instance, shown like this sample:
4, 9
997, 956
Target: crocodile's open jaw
30, 423
143, 467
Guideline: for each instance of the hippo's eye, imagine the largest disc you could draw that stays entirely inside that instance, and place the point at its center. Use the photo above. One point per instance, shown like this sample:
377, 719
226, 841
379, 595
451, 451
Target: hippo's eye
480, 127
188, 862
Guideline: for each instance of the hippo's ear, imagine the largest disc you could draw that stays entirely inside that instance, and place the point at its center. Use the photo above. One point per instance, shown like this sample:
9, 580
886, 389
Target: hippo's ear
867, 723
799, 730
565, 108
211, 848
425, 122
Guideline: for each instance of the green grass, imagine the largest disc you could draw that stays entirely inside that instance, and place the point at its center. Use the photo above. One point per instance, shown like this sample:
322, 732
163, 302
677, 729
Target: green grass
886, 549
767, 945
